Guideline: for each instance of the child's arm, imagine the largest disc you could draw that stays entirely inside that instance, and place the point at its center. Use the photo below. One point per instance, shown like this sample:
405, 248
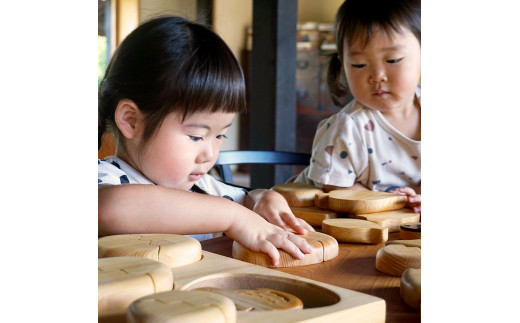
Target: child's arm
414, 199
155, 209
274, 208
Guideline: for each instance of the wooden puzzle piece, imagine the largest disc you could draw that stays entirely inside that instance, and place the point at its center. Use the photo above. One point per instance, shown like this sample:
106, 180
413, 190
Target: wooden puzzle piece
395, 258
355, 231
171, 249
182, 306
313, 215
410, 288
361, 202
121, 280
324, 247
259, 299
390, 219
298, 194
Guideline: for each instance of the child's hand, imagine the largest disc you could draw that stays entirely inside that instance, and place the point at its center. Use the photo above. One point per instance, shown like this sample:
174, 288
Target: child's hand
414, 200
273, 207
256, 234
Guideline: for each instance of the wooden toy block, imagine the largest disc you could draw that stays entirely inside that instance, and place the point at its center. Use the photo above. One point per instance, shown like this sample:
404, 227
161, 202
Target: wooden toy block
410, 288
313, 215
410, 231
298, 194
390, 219
171, 249
409, 243
121, 280
324, 247
355, 231
361, 202
394, 259
182, 306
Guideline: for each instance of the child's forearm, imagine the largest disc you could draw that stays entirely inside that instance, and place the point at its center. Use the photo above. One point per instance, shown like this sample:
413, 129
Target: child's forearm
155, 209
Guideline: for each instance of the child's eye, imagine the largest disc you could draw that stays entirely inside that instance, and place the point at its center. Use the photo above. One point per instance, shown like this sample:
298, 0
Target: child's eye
393, 61
221, 137
194, 138
357, 65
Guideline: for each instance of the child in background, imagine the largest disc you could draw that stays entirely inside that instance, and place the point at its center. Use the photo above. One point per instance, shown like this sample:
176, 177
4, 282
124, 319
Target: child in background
169, 95
374, 142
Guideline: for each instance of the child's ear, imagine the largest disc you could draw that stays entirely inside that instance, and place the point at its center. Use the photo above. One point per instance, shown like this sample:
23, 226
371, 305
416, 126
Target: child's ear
128, 118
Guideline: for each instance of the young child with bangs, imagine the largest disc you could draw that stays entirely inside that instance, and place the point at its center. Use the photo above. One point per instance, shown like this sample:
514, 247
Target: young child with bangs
374, 142
169, 95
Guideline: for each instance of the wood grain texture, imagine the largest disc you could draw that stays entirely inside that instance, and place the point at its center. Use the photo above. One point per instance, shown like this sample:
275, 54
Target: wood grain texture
390, 219
324, 248
313, 215
355, 231
394, 259
409, 243
410, 231
121, 280
259, 299
182, 306
321, 200
410, 288
298, 194
361, 202
171, 249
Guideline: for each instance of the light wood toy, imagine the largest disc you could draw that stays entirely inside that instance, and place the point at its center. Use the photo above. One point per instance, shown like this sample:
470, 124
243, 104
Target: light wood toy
410, 288
355, 231
313, 215
170, 249
121, 280
321, 200
390, 219
361, 202
410, 231
260, 299
182, 306
297, 194
324, 247
395, 258
409, 243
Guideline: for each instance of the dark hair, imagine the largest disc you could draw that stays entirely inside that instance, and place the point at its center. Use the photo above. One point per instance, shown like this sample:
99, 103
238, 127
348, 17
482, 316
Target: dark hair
170, 64
359, 18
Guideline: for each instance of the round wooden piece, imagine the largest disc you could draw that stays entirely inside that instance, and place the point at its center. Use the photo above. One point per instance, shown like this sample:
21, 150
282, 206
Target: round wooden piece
171, 249
324, 247
410, 231
313, 215
360, 202
321, 200
121, 280
182, 306
408, 243
395, 258
355, 231
391, 219
297, 194
410, 288
260, 299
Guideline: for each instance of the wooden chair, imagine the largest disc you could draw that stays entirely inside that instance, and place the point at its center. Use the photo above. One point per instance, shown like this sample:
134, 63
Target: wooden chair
238, 157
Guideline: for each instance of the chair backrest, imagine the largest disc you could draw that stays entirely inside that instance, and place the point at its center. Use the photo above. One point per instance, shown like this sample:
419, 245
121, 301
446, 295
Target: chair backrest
237, 157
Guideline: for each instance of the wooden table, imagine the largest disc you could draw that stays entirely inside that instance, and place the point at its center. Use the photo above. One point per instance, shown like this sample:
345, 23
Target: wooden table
354, 268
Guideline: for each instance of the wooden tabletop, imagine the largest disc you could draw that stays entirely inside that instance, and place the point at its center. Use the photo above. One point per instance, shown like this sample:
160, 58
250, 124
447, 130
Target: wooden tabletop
354, 268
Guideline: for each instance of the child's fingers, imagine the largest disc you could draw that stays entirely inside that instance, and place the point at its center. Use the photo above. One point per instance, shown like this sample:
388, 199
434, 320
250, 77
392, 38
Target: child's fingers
404, 191
294, 223
271, 250
300, 243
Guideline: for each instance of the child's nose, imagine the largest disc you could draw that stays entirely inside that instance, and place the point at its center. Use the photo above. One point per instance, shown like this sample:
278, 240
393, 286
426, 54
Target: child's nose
378, 75
207, 154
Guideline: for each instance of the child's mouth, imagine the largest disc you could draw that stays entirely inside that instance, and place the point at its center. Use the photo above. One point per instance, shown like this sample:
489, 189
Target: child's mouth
195, 176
